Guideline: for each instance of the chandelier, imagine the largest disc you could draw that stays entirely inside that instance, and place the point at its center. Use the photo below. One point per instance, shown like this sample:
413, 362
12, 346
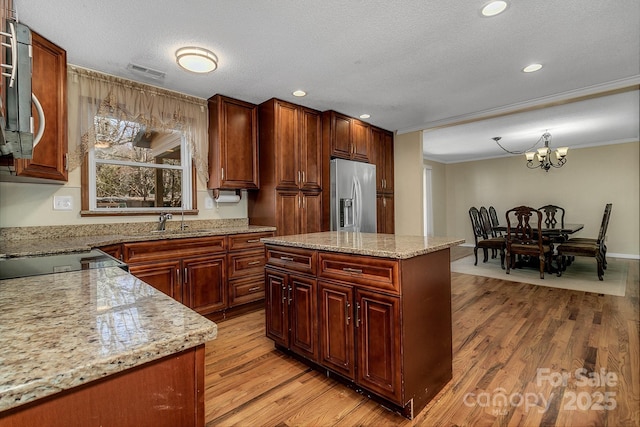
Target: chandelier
541, 158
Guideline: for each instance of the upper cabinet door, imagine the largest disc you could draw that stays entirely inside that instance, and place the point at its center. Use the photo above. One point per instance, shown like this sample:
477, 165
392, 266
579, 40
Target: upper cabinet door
340, 135
287, 151
348, 137
233, 144
388, 161
382, 156
49, 84
310, 150
360, 137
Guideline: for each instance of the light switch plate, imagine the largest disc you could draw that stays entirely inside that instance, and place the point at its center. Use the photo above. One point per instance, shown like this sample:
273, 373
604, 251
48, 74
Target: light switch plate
208, 203
62, 203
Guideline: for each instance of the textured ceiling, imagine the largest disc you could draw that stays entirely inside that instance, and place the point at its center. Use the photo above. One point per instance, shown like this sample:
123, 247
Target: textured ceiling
410, 64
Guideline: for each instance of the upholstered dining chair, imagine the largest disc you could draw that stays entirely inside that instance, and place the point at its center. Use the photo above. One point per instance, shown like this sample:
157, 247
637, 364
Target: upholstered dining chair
524, 237
484, 241
581, 246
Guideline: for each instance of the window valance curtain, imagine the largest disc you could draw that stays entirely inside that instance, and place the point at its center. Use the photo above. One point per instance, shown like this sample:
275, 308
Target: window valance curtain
92, 94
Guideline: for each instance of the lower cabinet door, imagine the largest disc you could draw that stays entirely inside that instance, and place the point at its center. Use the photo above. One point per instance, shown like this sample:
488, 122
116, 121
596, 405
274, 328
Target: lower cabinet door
276, 307
303, 316
336, 328
205, 287
164, 276
379, 346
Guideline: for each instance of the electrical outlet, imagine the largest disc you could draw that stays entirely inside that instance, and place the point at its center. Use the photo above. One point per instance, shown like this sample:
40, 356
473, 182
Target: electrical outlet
62, 203
208, 203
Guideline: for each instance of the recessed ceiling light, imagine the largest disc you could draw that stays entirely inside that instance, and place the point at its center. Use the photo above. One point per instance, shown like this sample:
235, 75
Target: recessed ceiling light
299, 93
196, 59
493, 8
531, 68
365, 116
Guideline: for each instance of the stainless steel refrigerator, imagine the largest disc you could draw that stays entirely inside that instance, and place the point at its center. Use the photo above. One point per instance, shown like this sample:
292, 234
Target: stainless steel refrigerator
353, 196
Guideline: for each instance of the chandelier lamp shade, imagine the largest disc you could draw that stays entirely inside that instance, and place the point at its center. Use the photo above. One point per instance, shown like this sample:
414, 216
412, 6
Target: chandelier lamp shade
196, 59
541, 158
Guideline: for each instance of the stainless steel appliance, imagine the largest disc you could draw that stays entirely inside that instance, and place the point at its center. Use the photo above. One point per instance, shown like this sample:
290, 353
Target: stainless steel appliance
16, 122
353, 196
11, 268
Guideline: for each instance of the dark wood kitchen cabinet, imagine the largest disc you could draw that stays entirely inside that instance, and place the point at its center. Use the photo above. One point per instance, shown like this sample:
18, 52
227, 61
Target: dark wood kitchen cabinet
162, 275
347, 137
290, 197
382, 157
194, 276
384, 324
216, 274
245, 267
291, 307
385, 213
233, 144
49, 84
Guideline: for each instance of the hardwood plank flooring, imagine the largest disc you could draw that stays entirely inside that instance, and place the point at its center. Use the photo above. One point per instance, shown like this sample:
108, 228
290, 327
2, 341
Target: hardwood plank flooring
512, 345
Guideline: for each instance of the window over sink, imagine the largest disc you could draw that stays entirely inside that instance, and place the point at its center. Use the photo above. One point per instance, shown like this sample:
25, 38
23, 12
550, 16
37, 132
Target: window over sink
134, 168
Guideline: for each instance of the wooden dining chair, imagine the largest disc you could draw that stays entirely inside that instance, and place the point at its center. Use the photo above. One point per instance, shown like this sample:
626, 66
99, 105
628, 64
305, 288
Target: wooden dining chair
487, 226
581, 246
524, 237
494, 220
484, 241
553, 216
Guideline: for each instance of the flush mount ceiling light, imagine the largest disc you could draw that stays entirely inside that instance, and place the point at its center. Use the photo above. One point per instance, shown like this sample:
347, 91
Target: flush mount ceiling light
532, 68
196, 59
494, 8
365, 116
299, 93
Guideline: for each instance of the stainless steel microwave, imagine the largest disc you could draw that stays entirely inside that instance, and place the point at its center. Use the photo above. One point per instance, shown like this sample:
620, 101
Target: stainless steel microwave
17, 137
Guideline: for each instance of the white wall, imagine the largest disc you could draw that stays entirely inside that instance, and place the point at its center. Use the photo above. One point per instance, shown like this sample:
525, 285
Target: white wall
24, 204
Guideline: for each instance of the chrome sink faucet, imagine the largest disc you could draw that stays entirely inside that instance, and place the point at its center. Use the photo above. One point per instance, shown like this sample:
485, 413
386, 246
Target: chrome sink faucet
162, 221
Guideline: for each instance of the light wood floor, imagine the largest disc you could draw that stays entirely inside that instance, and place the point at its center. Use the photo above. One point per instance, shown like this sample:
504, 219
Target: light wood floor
510, 340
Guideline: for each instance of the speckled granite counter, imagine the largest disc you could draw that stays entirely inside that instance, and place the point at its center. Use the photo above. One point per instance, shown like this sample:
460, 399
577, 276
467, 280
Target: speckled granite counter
62, 330
63, 239
371, 244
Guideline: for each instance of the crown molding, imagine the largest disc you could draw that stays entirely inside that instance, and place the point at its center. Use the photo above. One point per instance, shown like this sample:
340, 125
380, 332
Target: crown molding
590, 92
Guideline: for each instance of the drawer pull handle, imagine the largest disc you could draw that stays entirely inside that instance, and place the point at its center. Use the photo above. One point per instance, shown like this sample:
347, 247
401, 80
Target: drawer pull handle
253, 241
255, 288
352, 270
254, 263
286, 258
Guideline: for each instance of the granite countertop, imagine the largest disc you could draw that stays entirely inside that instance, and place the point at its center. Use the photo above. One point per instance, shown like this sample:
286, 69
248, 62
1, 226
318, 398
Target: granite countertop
62, 330
371, 244
58, 241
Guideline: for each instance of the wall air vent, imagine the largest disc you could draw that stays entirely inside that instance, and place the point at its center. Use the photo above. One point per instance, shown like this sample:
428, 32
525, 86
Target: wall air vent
146, 72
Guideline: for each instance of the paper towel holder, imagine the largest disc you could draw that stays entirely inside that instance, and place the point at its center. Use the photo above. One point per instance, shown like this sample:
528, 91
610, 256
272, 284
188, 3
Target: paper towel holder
226, 198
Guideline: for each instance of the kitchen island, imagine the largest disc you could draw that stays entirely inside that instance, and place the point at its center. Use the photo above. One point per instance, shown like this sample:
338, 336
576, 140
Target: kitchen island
99, 347
372, 310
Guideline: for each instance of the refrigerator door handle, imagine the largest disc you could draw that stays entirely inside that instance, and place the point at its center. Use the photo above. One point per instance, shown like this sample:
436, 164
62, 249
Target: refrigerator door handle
357, 211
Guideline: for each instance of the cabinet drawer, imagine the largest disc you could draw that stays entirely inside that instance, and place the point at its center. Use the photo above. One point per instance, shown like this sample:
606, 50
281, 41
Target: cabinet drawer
245, 290
377, 273
172, 248
247, 240
246, 263
296, 259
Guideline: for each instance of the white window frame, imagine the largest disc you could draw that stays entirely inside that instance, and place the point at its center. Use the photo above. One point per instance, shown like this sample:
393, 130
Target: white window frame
187, 181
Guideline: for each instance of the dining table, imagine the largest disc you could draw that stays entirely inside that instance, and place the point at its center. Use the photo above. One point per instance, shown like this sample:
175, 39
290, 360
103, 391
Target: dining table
551, 229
